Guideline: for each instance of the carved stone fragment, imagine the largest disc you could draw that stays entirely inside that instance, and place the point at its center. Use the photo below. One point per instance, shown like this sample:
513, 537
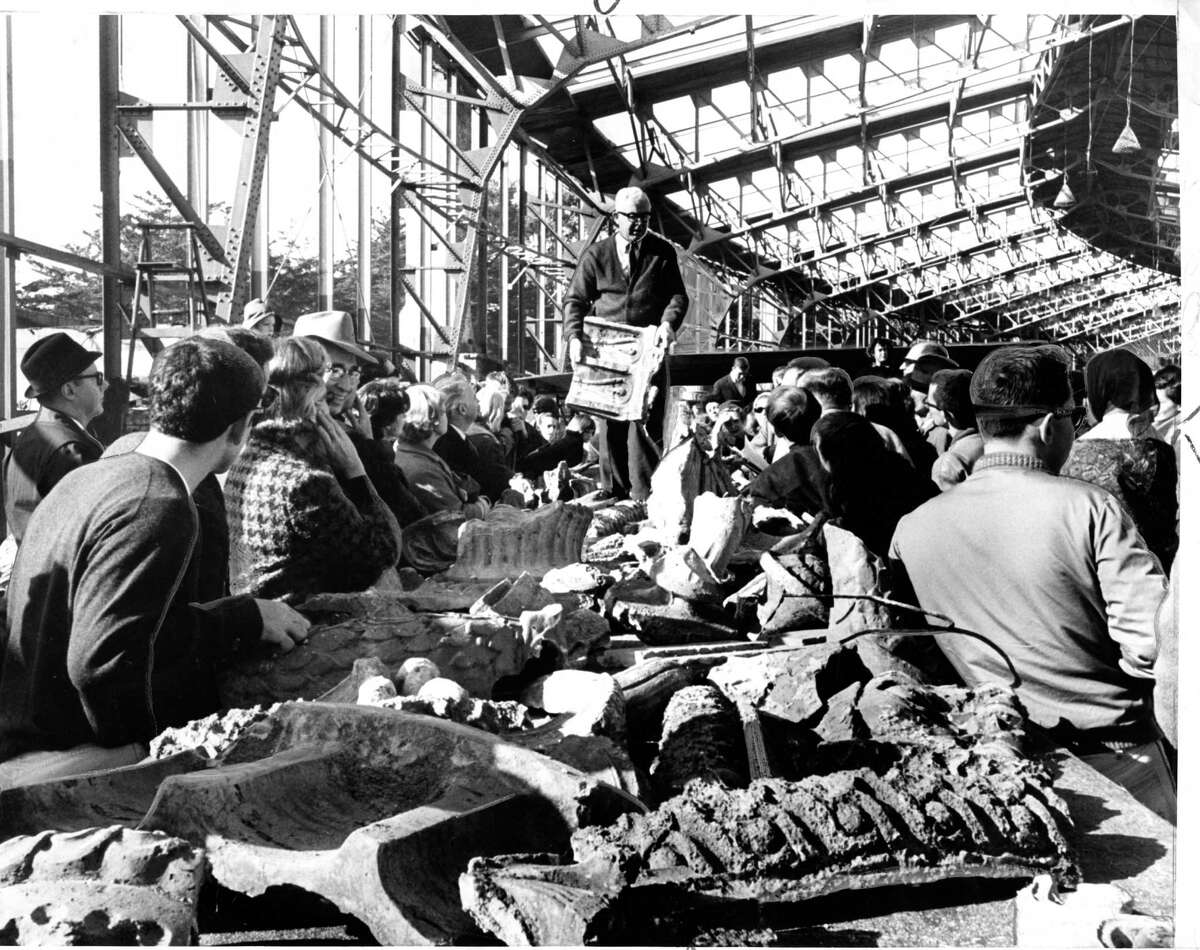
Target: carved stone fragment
512, 540
107, 885
931, 816
718, 526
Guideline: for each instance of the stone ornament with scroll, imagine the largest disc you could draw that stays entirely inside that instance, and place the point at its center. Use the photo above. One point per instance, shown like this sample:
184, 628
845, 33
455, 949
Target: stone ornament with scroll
612, 377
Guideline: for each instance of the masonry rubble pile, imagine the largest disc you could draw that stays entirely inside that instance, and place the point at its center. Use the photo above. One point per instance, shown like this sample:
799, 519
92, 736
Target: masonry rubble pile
491, 752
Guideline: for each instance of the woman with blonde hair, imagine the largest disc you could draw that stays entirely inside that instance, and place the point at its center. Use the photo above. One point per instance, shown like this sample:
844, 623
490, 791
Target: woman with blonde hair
303, 516
427, 472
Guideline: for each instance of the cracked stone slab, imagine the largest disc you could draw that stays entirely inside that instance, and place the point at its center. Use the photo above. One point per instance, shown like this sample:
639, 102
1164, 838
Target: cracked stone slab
374, 809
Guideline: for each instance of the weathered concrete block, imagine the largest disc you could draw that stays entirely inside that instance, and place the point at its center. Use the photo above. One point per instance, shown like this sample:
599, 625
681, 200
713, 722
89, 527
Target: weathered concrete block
99, 886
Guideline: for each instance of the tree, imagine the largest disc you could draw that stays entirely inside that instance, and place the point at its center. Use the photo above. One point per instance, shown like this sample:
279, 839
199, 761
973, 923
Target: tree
64, 297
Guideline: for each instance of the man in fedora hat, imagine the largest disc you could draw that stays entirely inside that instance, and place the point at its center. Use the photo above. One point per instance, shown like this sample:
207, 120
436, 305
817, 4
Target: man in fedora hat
334, 330
62, 377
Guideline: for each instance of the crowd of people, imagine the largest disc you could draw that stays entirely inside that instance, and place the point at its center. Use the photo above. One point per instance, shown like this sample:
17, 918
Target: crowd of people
270, 472
1035, 507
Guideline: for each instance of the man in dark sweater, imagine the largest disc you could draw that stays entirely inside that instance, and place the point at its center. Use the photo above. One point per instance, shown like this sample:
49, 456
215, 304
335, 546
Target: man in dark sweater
104, 559
632, 277
735, 385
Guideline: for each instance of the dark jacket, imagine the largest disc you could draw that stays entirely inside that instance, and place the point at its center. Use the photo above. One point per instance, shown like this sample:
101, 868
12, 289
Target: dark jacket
492, 471
796, 482
568, 449
43, 453
105, 568
725, 390
654, 294
462, 458
379, 462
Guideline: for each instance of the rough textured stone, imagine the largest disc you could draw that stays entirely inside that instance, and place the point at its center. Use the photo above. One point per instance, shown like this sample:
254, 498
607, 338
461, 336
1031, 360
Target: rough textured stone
576, 578
841, 722
107, 885
648, 687
475, 651
718, 526
593, 701
790, 683
512, 540
701, 738
376, 810
796, 592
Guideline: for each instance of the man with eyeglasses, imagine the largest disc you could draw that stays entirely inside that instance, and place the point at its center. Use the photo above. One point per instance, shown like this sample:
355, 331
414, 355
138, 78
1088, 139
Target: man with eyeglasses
64, 379
1050, 570
633, 278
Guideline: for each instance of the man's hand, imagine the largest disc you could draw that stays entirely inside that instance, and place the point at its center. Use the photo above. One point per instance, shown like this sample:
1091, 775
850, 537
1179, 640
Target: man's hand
665, 337
342, 453
281, 625
360, 417
575, 349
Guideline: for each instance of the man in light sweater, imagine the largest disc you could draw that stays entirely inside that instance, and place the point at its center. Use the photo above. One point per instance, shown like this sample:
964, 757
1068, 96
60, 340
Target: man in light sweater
1050, 570
103, 560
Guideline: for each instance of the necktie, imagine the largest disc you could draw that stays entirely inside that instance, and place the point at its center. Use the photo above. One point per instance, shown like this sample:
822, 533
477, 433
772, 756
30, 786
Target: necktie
632, 263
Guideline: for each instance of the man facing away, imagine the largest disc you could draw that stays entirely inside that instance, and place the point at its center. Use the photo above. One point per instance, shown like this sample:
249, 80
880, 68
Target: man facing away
104, 557
1051, 571
62, 377
632, 277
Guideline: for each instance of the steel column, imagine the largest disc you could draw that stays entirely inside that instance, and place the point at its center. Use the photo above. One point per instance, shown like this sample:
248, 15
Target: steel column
325, 169
8, 267
364, 187
110, 197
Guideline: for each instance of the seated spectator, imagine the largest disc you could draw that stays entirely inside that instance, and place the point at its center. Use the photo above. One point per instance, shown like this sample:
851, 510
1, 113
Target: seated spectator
427, 472
880, 402
879, 359
493, 471
950, 402
384, 402
869, 488
735, 386
759, 429
1051, 571
303, 516
798, 366
187, 684
833, 390
918, 379
70, 390
1168, 386
729, 431
104, 562
461, 410
1123, 454
796, 480
562, 443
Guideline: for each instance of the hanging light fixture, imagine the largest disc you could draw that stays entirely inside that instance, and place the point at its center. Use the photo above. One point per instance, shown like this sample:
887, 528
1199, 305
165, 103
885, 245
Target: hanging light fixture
1127, 142
1065, 197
